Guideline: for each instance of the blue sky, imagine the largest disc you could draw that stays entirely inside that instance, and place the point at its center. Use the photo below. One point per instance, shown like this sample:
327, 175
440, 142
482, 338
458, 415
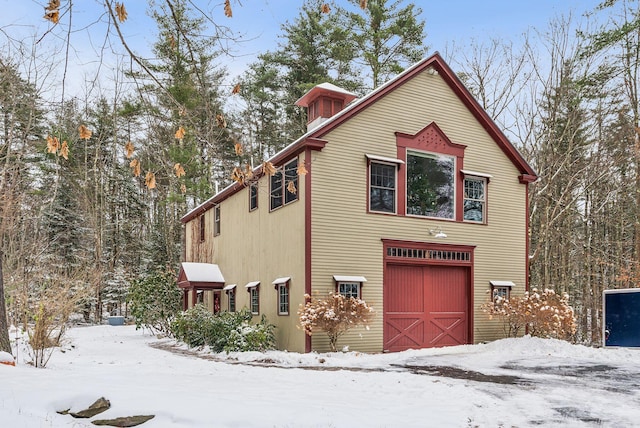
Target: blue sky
259, 22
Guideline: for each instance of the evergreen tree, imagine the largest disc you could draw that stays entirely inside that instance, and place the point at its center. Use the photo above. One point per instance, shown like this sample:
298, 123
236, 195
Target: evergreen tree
386, 37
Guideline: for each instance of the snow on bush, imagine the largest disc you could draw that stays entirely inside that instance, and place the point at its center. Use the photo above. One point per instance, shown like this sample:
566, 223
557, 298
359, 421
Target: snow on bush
335, 315
544, 314
226, 331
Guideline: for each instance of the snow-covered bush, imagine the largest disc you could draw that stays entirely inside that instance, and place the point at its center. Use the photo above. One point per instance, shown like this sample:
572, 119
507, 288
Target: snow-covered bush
155, 299
542, 314
335, 315
226, 331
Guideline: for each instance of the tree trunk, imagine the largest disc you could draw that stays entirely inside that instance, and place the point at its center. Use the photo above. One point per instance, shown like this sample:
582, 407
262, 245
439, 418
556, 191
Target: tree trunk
5, 345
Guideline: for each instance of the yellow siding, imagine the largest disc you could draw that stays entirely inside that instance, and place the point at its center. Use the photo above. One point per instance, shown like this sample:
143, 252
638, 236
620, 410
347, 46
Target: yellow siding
258, 246
347, 240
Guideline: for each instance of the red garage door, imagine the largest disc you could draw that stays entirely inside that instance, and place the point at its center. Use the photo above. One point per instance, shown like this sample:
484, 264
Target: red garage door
425, 306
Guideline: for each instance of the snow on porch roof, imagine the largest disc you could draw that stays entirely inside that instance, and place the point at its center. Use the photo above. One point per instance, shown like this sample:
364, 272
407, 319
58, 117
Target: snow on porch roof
202, 272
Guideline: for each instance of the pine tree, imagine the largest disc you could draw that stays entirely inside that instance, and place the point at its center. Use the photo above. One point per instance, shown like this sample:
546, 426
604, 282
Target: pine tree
387, 37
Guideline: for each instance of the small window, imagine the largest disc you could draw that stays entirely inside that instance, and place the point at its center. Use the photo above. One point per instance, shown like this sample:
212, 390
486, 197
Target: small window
283, 299
253, 196
254, 296
475, 201
282, 287
202, 229
382, 187
232, 300
349, 289
501, 289
216, 220
284, 185
349, 286
231, 297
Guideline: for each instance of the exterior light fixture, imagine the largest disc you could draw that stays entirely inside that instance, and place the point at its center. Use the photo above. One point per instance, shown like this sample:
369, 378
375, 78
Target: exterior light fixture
437, 233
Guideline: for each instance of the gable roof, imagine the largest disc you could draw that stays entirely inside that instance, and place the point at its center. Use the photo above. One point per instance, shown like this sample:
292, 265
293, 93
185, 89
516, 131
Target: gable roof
314, 136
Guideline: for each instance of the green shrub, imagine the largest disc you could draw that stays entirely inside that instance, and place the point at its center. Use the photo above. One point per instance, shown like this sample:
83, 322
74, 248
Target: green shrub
226, 331
155, 300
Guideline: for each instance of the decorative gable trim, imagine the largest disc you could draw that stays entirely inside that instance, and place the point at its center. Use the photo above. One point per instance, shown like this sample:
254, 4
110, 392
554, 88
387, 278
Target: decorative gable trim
430, 139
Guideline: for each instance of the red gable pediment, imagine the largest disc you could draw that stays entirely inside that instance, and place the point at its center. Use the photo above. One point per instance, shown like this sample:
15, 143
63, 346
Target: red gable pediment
430, 139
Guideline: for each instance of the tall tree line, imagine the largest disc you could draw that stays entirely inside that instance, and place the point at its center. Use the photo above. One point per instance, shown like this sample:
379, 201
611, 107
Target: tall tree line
93, 188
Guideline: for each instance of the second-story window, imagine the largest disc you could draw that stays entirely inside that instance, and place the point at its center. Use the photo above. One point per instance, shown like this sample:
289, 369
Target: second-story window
284, 185
216, 220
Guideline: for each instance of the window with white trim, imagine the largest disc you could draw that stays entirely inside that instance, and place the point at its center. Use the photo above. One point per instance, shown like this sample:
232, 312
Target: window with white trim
282, 287
284, 185
475, 199
349, 289
501, 289
254, 297
430, 184
382, 187
231, 297
349, 286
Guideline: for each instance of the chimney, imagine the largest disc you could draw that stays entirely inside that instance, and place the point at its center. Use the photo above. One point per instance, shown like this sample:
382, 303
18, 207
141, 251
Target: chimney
322, 102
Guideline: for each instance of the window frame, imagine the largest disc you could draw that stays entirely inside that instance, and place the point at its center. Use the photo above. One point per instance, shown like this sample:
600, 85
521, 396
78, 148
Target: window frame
253, 196
202, 227
506, 286
371, 186
479, 177
434, 156
358, 281
254, 292
279, 195
283, 293
216, 220
231, 303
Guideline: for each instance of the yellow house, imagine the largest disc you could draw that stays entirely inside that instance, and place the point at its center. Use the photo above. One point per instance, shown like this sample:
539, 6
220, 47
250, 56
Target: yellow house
413, 200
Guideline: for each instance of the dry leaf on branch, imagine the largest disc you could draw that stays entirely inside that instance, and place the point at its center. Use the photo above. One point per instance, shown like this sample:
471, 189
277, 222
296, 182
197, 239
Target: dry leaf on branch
363, 4
268, 168
53, 5
248, 172
302, 170
128, 149
326, 8
227, 9
183, 188
220, 121
180, 133
64, 150
291, 187
150, 180
237, 175
179, 170
238, 149
85, 133
172, 42
52, 16
52, 13
236, 89
53, 144
121, 12
135, 164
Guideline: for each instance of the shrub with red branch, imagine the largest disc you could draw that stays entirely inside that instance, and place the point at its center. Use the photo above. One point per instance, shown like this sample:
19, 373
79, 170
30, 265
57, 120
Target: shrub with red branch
543, 314
335, 315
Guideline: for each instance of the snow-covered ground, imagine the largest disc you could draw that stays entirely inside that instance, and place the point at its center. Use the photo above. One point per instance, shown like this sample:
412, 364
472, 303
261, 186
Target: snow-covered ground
512, 382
